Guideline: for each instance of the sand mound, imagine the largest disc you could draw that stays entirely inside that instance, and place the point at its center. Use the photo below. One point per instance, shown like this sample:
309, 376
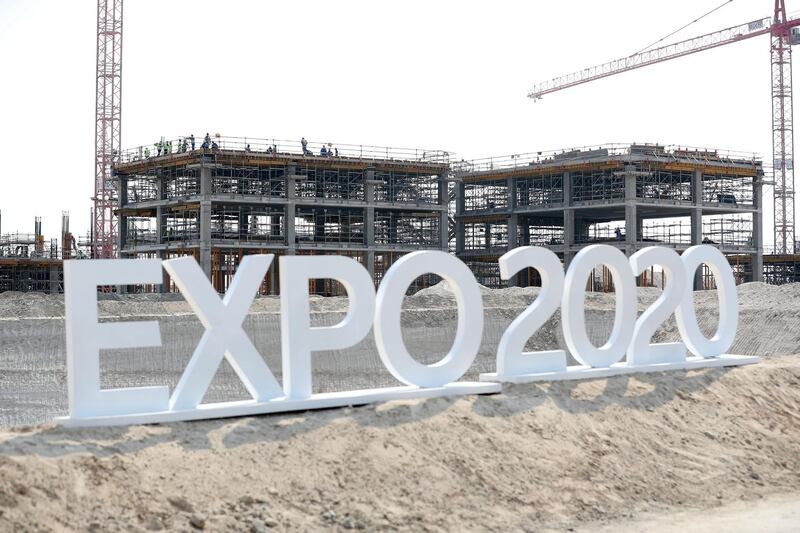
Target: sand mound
537, 457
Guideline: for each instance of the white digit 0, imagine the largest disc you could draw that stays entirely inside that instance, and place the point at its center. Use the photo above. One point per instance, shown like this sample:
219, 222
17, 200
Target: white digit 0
685, 316
573, 306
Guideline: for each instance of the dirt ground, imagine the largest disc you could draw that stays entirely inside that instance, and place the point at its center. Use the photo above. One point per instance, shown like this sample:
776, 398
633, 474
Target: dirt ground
695, 449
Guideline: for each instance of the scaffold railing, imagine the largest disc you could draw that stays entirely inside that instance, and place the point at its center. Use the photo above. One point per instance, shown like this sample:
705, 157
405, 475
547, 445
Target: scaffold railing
612, 150
312, 149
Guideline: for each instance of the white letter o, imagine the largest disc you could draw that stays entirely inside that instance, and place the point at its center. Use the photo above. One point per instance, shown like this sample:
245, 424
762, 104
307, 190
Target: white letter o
388, 333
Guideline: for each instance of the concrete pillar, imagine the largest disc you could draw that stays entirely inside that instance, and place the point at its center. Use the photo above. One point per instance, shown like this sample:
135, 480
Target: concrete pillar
291, 196
444, 231
122, 222
53, 279
159, 225
205, 220
631, 220
513, 220
369, 221
757, 259
122, 233
697, 220
160, 194
569, 218
631, 223
205, 237
165, 280
523, 229
459, 224
444, 215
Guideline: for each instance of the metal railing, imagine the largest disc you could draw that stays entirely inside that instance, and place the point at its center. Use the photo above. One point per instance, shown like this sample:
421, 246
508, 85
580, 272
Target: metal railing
605, 151
312, 149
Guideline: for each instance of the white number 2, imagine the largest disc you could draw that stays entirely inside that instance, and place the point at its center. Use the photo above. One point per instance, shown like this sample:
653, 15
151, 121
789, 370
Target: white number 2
640, 351
511, 361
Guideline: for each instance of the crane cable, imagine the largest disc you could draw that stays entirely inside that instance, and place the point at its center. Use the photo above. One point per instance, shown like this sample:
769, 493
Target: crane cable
682, 27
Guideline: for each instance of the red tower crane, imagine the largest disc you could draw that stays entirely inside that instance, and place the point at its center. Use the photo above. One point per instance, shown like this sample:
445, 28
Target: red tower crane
108, 125
782, 36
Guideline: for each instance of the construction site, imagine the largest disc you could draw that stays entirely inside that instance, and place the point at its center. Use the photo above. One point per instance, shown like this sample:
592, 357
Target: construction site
29, 262
693, 447
252, 196
629, 197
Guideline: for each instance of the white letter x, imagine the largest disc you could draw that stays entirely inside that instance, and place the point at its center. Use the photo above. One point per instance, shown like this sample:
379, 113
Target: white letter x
224, 334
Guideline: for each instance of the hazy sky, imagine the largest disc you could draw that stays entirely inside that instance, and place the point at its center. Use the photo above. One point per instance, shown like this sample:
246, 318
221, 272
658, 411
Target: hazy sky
436, 75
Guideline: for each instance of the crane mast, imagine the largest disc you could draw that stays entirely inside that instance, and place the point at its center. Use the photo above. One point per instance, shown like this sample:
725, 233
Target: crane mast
108, 126
782, 131
779, 27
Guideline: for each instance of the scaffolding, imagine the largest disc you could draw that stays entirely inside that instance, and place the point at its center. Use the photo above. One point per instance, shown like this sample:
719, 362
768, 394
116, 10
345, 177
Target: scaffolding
406, 187
540, 190
181, 223
539, 231
141, 230
249, 181
722, 189
407, 228
593, 185
179, 183
780, 269
489, 235
330, 183
601, 232
247, 223
728, 230
657, 183
329, 225
671, 231
486, 196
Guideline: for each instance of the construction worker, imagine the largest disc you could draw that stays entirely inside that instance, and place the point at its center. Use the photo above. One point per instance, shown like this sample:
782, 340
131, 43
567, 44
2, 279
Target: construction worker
207, 140
323, 151
247, 148
191, 140
304, 142
147, 153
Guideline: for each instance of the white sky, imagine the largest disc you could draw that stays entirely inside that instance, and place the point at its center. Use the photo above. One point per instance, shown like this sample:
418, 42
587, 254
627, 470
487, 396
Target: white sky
436, 75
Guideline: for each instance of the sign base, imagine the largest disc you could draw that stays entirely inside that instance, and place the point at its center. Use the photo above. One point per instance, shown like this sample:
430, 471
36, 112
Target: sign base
587, 372
280, 405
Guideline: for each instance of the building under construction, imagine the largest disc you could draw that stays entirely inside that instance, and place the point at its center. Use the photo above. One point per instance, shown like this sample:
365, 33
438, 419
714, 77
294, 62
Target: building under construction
29, 262
628, 196
232, 197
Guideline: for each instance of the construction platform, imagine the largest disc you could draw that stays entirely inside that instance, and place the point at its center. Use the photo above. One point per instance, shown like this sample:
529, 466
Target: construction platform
627, 196
248, 196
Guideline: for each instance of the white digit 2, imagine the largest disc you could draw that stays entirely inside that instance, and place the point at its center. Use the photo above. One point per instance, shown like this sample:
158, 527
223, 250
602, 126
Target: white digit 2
641, 352
511, 360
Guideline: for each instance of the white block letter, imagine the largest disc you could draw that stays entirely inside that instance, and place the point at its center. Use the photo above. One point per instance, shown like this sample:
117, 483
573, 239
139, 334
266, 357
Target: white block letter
573, 312
389, 337
224, 335
298, 338
86, 337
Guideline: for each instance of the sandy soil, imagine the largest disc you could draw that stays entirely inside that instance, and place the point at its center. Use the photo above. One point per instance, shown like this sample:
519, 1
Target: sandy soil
598, 455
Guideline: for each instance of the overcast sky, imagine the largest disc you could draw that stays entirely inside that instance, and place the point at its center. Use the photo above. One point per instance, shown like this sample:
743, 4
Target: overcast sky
435, 75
